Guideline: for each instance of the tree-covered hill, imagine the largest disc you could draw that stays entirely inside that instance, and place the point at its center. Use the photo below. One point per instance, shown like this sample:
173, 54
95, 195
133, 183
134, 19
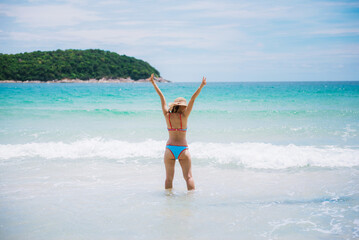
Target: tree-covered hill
81, 64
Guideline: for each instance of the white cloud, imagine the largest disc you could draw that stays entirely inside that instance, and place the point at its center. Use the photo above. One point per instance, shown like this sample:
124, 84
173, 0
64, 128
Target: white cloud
167, 23
197, 5
192, 38
336, 4
337, 31
267, 13
231, 10
107, 36
48, 15
110, 2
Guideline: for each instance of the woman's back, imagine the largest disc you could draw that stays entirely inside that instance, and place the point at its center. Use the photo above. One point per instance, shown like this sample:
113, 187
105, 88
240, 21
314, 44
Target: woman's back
177, 128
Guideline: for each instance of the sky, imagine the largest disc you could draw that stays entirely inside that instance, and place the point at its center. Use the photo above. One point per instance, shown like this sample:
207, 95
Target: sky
225, 41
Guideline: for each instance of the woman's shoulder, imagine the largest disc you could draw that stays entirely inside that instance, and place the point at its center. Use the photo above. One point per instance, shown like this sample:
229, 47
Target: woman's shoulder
184, 115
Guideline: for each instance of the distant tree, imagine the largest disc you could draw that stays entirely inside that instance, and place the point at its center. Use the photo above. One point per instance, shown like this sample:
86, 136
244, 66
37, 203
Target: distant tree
71, 63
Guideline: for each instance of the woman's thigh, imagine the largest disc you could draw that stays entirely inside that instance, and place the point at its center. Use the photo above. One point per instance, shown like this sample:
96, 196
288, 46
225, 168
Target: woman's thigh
169, 164
186, 164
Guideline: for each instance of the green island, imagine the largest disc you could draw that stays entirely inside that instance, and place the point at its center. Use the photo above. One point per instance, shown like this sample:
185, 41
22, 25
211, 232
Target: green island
71, 64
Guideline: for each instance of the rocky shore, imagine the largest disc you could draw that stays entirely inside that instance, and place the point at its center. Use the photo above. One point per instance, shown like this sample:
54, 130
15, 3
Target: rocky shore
102, 80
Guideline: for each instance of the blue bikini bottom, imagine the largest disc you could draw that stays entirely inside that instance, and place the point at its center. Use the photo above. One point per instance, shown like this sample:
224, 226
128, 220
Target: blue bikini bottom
176, 150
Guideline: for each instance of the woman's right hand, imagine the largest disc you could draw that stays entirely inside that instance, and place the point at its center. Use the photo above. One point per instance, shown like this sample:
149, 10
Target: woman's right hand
204, 82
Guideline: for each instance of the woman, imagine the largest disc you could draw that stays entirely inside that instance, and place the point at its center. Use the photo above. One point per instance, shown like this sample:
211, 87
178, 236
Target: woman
176, 148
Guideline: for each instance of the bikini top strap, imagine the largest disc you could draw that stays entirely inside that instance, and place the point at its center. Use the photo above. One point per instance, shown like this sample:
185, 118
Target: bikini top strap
181, 120
169, 119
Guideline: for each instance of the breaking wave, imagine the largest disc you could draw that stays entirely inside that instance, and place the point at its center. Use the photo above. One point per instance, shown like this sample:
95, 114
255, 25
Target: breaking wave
247, 155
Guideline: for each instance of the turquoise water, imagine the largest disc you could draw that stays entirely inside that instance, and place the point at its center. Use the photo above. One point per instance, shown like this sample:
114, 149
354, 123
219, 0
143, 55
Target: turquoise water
280, 113
271, 160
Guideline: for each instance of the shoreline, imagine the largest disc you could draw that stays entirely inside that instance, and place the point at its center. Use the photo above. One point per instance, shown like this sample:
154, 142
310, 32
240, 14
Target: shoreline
92, 80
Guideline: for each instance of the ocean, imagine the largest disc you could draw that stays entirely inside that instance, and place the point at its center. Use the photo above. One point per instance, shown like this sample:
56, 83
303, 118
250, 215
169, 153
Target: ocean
270, 160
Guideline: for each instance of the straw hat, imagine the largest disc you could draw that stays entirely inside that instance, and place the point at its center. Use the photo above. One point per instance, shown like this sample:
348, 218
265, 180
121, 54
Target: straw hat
180, 101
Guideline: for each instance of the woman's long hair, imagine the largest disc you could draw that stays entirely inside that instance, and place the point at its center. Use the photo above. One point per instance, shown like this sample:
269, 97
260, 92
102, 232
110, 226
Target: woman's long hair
175, 109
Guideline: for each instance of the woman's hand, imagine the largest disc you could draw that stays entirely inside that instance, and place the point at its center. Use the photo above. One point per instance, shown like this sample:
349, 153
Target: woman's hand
151, 79
204, 82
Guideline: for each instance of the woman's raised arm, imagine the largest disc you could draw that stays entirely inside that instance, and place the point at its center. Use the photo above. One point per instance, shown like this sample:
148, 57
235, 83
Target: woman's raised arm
163, 100
195, 95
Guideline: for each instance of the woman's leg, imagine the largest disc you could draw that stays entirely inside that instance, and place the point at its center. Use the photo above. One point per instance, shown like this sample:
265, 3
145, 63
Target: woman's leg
185, 161
170, 168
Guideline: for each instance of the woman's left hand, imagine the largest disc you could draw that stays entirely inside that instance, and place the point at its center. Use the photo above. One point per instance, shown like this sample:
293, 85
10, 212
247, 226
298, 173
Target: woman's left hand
151, 79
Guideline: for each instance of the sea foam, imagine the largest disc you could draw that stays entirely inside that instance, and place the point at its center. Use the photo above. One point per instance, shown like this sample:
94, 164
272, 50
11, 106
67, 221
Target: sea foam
247, 155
